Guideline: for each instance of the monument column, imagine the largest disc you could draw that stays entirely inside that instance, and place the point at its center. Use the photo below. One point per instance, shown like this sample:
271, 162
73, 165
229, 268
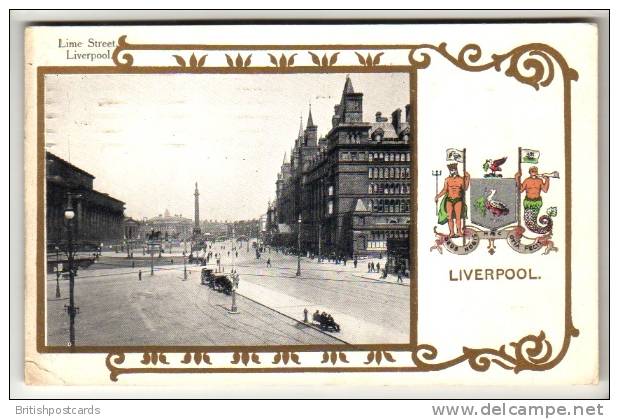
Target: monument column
196, 226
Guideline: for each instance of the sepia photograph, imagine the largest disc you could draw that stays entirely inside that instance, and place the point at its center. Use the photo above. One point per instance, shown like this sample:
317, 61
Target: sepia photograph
227, 209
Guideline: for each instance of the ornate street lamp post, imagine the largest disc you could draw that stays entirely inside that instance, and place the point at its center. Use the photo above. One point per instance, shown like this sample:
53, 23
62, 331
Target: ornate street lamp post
152, 261
57, 272
299, 248
232, 249
184, 266
319, 242
235, 278
69, 215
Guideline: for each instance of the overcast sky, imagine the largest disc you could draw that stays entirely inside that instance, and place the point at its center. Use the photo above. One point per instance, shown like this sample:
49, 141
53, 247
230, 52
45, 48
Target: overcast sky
148, 138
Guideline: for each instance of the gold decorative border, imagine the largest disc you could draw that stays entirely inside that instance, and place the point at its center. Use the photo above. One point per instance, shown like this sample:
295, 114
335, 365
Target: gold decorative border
531, 64
530, 353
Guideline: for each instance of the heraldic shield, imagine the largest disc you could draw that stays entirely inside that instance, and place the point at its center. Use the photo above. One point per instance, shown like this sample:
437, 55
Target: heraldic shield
494, 202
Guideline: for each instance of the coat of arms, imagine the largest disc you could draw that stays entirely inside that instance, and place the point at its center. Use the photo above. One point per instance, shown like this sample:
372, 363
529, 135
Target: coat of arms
497, 207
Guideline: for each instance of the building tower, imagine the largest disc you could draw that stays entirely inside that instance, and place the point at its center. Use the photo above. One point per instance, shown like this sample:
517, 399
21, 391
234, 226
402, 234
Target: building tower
196, 226
311, 132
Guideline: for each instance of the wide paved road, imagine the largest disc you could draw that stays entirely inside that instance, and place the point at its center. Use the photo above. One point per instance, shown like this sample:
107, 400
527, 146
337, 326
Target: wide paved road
118, 309
331, 287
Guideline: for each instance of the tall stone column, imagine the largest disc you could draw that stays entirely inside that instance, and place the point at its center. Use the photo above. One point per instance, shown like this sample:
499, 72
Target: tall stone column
196, 226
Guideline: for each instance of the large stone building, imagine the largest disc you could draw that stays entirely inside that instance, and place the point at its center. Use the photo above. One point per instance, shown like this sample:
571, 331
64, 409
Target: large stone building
98, 216
171, 226
213, 229
351, 188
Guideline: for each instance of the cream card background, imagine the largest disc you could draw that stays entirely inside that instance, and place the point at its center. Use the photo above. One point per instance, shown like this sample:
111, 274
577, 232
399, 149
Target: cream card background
504, 308
491, 115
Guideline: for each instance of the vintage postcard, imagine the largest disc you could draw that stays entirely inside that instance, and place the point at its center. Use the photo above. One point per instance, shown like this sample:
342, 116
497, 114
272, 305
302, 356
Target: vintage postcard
414, 204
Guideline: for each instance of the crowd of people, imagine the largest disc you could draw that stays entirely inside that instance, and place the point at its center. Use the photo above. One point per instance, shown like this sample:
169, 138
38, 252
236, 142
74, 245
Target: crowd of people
373, 267
209, 253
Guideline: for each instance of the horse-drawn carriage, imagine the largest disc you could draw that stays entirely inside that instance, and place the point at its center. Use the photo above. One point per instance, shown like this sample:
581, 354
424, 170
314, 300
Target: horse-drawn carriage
325, 321
217, 281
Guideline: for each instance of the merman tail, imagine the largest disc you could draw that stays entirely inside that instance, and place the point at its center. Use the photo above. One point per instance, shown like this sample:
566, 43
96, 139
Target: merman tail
532, 208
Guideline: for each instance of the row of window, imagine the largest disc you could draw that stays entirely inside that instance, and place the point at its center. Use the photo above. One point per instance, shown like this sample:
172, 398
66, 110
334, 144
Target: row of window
353, 138
389, 188
389, 172
378, 239
379, 137
352, 156
384, 235
379, 157
381, 205
389, 157
389, 205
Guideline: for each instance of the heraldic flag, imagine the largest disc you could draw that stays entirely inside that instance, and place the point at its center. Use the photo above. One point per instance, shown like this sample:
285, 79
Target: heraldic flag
529, 156
455, 155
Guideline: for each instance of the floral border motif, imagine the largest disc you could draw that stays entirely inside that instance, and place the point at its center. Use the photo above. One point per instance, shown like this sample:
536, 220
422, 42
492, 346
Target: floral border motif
531, 64
532, 352
534, 58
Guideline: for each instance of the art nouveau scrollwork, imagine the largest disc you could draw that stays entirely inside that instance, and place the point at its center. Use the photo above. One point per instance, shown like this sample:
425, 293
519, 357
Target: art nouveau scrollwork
126, 57
531, 64
112, 362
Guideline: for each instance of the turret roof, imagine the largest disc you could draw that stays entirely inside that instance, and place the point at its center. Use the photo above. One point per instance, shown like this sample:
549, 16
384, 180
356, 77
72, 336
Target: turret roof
310, 121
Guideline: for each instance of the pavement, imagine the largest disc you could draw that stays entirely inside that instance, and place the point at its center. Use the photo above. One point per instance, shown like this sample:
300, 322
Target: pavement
352, 329
369, 308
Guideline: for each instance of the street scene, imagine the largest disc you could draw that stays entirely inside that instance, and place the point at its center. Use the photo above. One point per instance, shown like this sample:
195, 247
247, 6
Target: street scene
311, 249
171, 310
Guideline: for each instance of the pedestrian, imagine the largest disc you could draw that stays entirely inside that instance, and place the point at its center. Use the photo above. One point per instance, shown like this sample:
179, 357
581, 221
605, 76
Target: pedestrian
344, 260
355, 262
369, 267
268, 262
378, 267
400, 276
140, 275
373, 267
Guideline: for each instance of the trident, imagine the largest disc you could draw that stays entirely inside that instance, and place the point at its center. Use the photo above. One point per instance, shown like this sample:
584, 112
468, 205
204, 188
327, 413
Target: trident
436, 174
